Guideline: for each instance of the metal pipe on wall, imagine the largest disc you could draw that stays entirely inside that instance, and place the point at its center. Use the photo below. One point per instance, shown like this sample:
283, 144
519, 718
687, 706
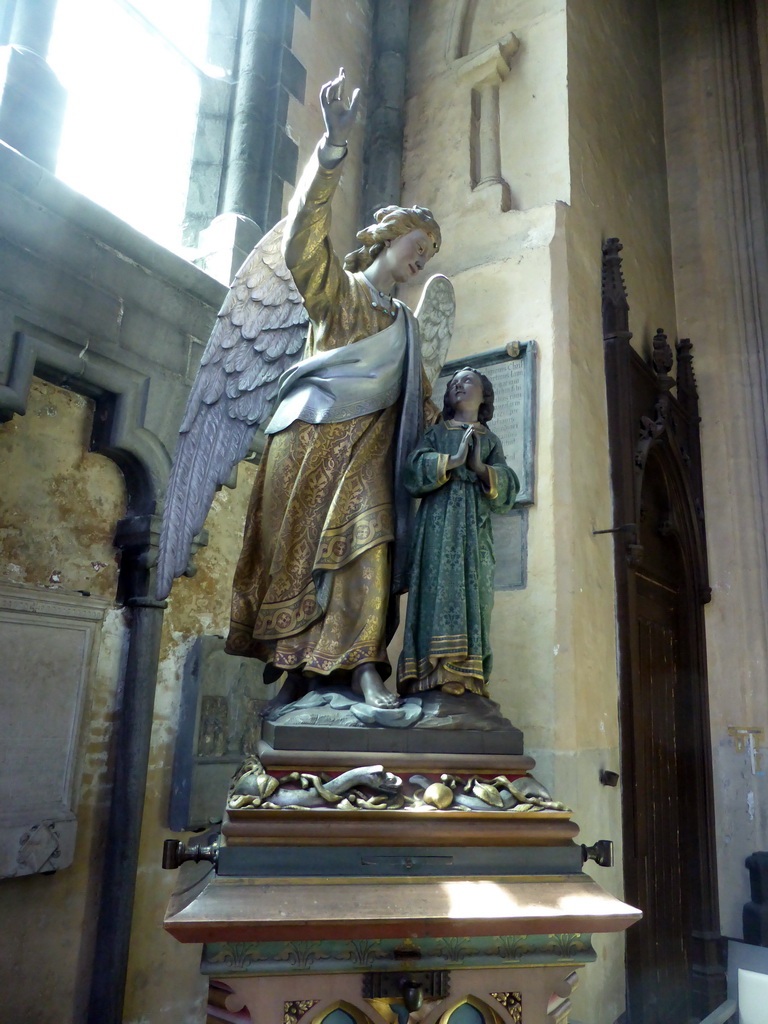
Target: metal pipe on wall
133, 731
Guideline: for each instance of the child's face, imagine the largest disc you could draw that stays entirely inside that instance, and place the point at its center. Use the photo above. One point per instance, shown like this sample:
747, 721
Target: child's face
465, 391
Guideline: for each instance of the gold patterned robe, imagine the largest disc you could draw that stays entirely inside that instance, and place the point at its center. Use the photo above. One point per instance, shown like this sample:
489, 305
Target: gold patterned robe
312, 585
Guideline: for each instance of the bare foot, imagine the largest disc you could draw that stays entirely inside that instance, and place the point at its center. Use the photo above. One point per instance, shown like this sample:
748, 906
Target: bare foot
294, 687
368, 683
455, 689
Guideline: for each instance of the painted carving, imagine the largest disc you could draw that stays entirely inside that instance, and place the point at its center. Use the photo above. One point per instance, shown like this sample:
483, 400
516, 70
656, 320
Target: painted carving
323, 554
512, 1003
460, 474
295, 1009
373, 788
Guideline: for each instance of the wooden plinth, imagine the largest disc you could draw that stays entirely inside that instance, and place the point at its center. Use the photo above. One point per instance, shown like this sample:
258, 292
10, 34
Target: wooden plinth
325, 827
512, 765
247, 910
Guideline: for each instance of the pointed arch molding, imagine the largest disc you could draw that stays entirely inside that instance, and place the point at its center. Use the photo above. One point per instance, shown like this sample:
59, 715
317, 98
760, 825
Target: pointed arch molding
120, 394
644, 413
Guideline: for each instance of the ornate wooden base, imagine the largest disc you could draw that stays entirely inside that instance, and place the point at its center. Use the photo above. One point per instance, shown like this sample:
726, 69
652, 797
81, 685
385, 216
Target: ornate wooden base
526, 995
401, 883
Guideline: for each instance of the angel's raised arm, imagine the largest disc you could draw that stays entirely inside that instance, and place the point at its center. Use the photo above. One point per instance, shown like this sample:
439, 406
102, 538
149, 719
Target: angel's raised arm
309, 255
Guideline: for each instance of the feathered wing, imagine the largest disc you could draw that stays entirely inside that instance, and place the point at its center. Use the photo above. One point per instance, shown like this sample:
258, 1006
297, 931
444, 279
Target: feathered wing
436, 313
259, 333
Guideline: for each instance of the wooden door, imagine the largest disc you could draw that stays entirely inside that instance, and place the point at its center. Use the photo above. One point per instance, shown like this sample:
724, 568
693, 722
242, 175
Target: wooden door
674, 962
658, 962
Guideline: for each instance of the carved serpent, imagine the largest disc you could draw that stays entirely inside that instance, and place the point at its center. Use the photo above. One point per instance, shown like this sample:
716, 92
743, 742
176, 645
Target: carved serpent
252, 788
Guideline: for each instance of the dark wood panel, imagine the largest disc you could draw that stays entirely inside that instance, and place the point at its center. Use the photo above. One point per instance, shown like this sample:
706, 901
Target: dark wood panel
674, 961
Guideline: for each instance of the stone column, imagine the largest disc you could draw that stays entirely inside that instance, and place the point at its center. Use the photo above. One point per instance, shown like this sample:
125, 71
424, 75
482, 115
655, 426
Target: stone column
384, 128
137, 538
484, 71
32, 100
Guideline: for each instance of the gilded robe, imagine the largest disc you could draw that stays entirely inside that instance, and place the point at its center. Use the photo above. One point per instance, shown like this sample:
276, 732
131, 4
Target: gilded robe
452, 562
312, 586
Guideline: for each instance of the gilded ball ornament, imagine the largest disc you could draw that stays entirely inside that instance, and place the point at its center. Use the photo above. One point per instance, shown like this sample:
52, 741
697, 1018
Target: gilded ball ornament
438, 795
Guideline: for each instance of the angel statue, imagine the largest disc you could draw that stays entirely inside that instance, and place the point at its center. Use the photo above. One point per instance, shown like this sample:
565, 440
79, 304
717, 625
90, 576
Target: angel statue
328, 524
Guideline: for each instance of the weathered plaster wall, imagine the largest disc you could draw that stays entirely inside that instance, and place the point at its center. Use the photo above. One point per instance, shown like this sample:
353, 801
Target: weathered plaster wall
57, 506
715, 128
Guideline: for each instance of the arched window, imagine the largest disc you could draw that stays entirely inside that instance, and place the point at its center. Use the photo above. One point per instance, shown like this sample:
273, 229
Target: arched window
134, 71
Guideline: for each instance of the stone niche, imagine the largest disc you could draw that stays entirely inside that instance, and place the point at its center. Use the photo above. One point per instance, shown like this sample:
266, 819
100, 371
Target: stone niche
49, 640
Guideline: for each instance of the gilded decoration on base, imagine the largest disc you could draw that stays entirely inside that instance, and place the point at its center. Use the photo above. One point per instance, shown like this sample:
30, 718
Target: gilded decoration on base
372, 788
512, 1003
566, 945
295, 1009
430, 954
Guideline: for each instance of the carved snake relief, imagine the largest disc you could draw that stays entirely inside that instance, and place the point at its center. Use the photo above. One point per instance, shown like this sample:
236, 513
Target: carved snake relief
256, 788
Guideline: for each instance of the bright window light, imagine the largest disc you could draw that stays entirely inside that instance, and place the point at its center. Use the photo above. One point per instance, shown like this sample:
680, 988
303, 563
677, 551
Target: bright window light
133, 96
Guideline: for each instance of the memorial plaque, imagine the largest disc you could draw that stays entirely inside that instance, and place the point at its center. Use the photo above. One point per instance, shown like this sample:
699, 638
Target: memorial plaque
49, 640
512, 371
510, 544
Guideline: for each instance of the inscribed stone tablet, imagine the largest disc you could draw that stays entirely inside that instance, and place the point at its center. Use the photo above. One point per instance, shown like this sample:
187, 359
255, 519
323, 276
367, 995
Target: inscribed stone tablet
49, 640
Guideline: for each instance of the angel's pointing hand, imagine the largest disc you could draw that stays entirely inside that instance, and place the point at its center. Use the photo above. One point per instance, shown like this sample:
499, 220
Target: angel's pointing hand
338, 117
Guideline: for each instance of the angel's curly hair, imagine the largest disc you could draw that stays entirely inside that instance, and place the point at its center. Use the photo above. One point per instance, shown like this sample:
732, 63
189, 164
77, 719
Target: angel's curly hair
485, 412
391, 222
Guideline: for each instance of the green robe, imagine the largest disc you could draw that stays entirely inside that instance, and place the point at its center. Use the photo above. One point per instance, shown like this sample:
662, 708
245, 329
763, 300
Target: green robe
452, 563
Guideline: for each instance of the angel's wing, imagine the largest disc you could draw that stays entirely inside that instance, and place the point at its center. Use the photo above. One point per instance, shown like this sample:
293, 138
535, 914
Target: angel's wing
259, 333
436, 313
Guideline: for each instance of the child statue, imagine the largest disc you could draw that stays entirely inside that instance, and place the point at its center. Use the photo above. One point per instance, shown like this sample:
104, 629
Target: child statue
460, 474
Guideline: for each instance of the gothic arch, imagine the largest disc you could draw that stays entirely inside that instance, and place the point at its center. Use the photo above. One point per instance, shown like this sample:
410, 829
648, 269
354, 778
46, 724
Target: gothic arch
329, 1015
487, 1014
120, 393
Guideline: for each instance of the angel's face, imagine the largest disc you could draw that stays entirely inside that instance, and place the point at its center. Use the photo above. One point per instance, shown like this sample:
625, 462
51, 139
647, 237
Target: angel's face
406, 256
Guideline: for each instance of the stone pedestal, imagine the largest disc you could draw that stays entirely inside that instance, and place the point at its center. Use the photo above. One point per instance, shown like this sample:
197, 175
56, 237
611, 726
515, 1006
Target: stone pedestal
379, 899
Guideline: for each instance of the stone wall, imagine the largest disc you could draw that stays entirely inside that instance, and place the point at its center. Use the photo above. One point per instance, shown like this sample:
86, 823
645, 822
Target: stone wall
618, 189
714, 98
581, 157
